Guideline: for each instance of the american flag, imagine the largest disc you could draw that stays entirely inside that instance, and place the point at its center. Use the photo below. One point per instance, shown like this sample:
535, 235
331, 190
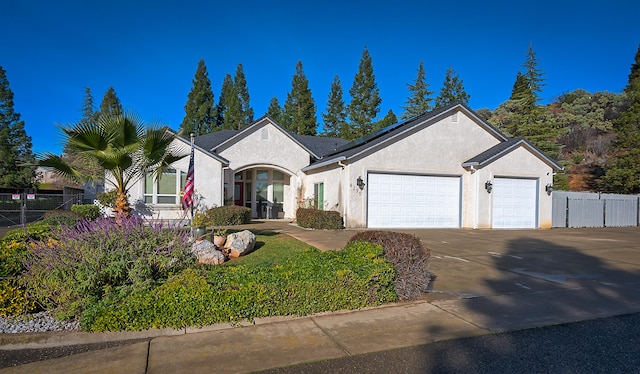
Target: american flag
187, 197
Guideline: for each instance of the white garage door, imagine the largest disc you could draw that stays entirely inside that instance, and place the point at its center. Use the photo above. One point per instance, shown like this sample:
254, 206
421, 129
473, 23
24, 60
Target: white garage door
413, 201
514, 203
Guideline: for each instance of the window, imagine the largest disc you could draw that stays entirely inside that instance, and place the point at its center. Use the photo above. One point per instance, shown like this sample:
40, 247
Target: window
165, 190
318, 196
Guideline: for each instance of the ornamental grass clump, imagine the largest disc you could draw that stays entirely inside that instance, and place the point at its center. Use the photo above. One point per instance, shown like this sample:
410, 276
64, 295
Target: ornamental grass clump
80, 265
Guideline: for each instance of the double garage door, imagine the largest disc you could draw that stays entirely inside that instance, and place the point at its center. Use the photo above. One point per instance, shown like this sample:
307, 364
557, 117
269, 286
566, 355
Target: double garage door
424, 201
413, 201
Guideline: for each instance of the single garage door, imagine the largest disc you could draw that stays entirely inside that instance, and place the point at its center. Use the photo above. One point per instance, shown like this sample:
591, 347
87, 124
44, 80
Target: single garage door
514, 203
412, 201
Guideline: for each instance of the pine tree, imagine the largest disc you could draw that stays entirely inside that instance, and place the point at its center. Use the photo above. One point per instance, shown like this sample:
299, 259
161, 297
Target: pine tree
15, 145
533, 74
623, 172
89, 119
299, 108
199, 109
232, 104
389, 119
89, 114
365, 99
275, 110
226, 93
419, 101
452, 90
110, 104
240, 84
335, 119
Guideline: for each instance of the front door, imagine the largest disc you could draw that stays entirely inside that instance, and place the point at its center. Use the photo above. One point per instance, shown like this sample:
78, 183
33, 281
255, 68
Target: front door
238, 193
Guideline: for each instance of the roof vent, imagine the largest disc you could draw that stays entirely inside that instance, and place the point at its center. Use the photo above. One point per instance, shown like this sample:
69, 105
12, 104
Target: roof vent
454, 117
265, 134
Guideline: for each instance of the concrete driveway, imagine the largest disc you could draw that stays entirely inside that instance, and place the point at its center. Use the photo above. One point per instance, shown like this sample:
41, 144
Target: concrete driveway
543, 274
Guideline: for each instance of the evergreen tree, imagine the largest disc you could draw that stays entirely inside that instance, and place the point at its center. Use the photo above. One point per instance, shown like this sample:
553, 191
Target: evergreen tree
275, 110
623, 172
15, 145
452, 90
533, 74
419, 101
335, 119
70, 155
522, 92
233, 106
299, 108
226, 93
110, 104
240, 84
365, 99
89, 114
389, 119
199, 109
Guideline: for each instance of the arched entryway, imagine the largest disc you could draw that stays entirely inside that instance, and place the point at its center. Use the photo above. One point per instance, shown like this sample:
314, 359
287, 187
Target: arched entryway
265, 190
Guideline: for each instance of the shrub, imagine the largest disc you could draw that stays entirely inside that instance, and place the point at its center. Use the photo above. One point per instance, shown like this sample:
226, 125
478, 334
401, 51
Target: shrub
229, 215
319, 219
87, 211
13, 299
310, 282
408, 256
61, 217
107, 199
12, 252
79, 265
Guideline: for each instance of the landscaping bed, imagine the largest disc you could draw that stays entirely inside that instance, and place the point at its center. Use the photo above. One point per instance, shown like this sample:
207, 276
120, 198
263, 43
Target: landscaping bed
134, 276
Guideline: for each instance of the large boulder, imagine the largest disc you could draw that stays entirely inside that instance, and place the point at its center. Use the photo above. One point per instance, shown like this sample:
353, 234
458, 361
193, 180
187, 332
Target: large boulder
240, 243
207, 253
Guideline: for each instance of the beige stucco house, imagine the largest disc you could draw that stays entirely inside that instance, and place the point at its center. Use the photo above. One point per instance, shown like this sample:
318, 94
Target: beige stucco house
446, 168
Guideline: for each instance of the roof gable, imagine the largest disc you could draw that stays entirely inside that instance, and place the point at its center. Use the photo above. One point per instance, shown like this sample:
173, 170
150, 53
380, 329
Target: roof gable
501, 149
400, 130
242, 133
202, 149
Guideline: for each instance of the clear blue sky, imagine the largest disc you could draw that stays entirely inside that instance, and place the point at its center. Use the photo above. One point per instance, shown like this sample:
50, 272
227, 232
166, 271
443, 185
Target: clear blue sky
149, 50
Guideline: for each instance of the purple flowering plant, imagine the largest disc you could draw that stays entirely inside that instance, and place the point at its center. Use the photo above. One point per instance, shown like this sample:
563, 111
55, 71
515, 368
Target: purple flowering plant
83, 264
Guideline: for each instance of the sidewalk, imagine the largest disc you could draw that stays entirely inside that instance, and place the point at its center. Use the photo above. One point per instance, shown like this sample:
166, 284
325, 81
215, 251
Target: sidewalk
487, 282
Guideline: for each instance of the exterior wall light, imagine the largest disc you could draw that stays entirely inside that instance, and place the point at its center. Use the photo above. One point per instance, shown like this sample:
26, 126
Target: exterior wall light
360, 183
548, 188
488, 186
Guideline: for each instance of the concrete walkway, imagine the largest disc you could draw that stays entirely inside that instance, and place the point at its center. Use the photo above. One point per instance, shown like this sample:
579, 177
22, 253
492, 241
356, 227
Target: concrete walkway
486, 282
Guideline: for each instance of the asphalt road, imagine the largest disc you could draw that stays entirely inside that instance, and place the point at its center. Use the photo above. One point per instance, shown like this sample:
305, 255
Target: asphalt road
608, 345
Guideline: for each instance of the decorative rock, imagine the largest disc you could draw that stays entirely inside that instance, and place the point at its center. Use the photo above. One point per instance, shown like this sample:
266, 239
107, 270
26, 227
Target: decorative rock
240, 243
206, 253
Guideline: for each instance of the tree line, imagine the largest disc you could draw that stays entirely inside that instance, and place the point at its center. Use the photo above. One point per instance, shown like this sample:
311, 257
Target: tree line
594, 135
298, 115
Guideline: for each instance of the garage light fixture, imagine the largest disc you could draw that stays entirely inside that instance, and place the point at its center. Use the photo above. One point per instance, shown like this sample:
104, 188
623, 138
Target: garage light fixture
488, 186
549, 188
360, 183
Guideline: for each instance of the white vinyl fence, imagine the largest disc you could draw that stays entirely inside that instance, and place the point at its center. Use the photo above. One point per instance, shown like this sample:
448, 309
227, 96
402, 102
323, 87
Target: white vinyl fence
586, 209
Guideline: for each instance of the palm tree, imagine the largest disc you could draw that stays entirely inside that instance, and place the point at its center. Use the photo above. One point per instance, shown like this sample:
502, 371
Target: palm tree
123, 146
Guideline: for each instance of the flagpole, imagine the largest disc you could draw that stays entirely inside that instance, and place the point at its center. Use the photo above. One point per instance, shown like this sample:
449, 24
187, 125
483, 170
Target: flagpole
193, 137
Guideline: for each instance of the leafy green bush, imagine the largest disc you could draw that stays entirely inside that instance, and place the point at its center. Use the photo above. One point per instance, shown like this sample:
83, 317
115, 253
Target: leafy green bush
310, 282
319, 219
87, 211
229, 215
107, 199
409, 257
79, 265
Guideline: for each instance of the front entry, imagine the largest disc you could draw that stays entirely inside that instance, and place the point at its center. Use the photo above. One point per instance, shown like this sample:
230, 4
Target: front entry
238, 194
263, 190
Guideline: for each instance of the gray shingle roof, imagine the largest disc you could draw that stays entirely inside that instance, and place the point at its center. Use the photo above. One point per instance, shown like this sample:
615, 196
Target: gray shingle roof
320, 145
504, 148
